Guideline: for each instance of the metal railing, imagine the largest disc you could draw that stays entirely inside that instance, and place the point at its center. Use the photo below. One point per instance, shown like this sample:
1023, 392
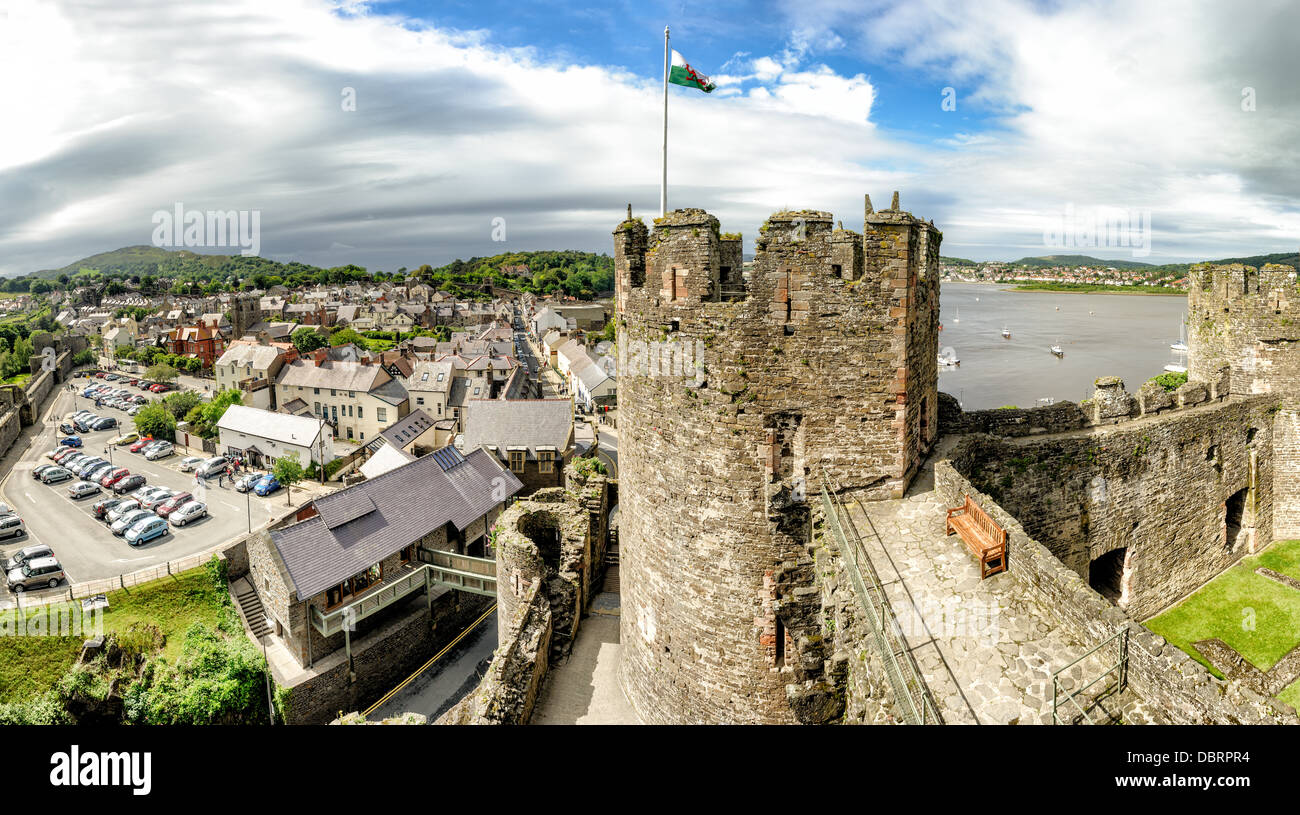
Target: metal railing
1120, 666
92, 588
343, 617
911, 695
472, 574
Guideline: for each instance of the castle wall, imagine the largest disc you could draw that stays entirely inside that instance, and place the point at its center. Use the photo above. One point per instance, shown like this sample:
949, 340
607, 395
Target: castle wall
812, 365
1160, 487
1249, 320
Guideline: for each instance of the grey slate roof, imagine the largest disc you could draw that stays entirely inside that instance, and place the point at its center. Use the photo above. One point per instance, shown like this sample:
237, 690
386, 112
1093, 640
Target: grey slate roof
530, 423
361, 525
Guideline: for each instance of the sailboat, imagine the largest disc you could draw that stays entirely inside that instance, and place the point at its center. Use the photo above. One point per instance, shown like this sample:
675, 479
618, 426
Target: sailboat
1006, 333
1057, 350
1181, 345
957, 317
948, 360
1174, 368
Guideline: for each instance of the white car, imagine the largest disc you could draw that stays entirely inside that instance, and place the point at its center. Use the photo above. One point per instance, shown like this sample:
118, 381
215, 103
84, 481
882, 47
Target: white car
190, 462
189, 511
162, 449
115, 514
83, 488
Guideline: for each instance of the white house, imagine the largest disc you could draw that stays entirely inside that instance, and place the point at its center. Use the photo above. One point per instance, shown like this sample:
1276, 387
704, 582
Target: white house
262, 436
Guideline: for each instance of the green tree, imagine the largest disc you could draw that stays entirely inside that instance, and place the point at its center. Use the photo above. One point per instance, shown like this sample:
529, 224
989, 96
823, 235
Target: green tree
161, 373
307, 340
211, 413
347, 335
157, 421
288, 470
181, 403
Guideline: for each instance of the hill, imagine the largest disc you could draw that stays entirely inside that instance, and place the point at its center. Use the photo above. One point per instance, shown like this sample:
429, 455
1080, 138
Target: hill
1046, 261
957, 262
134, 260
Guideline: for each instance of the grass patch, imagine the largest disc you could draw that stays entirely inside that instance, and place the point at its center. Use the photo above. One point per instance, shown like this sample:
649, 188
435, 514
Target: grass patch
1221, 608
1291, 694
35, 664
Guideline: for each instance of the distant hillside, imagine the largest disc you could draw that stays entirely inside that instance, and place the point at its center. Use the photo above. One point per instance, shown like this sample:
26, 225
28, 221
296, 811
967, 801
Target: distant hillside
957, 262
1046, 261
134, 260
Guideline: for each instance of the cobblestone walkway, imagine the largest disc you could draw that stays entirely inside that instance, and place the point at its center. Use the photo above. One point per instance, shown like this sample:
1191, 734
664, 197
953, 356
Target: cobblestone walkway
986, 654
584, 689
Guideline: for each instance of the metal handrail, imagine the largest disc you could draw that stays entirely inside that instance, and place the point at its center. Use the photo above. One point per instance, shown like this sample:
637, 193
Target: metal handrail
328, 623
910, 692
1121, 665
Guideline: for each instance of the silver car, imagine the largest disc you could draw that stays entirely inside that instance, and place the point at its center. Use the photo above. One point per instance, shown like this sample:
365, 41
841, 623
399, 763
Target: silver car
189, 463
43, 571
129, 520
160, 450
189, 511
115, 514
83, 488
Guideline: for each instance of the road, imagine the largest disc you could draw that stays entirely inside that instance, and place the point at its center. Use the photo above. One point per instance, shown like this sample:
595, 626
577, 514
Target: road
85, 547
447, 681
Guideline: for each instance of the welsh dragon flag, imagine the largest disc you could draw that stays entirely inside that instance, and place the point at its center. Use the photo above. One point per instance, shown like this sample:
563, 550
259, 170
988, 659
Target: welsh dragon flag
683, 74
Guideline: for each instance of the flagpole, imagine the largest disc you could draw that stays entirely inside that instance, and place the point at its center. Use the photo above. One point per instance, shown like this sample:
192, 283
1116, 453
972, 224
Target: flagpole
663, 183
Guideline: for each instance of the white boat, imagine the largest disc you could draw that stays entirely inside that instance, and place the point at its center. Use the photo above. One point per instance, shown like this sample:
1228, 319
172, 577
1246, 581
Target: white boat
1181, 345
957, 317
1006, 333
948, 362
1057, 350
1176, 369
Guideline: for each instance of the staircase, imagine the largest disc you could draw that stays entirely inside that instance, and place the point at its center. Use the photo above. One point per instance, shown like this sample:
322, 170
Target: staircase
250, 605
611, 568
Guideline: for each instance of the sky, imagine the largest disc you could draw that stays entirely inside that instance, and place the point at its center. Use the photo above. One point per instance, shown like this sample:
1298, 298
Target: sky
393, 134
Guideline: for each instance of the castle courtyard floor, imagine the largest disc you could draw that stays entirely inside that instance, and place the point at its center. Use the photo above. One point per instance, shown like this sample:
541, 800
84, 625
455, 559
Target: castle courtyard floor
986, 654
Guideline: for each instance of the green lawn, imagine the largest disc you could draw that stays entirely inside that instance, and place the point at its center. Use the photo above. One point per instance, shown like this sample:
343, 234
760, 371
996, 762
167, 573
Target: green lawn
33, 664
1223, 608
1291, 694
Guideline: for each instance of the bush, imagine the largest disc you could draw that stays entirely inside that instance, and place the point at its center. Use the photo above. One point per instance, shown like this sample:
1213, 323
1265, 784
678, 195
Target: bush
1170, 381
181, 403
157, 421
86, 357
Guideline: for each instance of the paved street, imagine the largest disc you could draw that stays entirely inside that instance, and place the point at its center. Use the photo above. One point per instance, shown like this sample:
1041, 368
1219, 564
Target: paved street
85, 546
447, 681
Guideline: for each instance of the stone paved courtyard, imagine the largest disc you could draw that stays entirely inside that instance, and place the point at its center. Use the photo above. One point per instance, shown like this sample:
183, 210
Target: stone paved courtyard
985, 653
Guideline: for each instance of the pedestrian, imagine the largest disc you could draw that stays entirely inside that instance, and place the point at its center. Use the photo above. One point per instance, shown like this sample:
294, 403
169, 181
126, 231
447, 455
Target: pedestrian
221, 479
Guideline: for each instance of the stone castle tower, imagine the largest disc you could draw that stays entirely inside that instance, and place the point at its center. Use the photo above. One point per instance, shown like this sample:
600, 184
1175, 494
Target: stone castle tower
244, 312
736, 390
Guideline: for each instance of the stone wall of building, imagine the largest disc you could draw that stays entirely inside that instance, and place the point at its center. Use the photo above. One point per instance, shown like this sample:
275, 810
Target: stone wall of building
1249, 320
1184, 495
1286, 474
824, 357
1178, 687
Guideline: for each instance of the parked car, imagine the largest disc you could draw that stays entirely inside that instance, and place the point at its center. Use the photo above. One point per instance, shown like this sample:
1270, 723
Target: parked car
189, 511
104, 506
55, 475
167, 507
70, 441
11, 526
129, 520
140, 444
67, 429
40, 468
43, 571
125, 439
83, 423
267, 485
27, 553
131, 482
80, 489
103, 423
162, 449
190, 462
64, 452
145, 531
212, 466
50, 455
111, 377
245, 483
87, 470
113, 476
160, 495
127, 506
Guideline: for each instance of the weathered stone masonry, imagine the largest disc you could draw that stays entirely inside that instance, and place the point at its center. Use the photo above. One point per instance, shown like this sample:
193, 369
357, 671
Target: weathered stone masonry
823, 356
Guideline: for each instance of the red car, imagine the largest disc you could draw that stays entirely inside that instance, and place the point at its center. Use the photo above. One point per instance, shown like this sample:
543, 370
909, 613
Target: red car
100, 375
140, 445
156, 388
132, 381
112, 477
167, 507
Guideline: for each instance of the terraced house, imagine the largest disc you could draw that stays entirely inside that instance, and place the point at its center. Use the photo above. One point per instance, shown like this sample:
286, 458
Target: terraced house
358, 399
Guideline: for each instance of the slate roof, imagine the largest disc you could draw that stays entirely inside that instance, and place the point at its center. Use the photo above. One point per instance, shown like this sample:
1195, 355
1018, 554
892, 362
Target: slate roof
403, 431
361, 525
530, 423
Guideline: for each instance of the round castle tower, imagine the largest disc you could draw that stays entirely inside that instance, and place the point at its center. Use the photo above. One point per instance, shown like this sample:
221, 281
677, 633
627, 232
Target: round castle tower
735, 391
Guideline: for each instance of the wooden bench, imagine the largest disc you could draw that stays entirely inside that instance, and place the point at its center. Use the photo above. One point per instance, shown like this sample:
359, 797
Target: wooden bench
982, 536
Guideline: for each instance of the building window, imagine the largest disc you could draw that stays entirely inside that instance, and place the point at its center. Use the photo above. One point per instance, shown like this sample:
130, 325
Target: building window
517, 461
545, 464
316, 409
316, 391
358, 411
333, 392
419, 400
381, 414
408, 553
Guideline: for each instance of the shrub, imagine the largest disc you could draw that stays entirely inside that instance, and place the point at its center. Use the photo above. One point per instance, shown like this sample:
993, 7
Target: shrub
1170, 381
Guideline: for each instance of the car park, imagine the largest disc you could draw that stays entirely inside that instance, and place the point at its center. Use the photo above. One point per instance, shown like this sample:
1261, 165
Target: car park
113, 476
266, 485
33, 552
189, 511
189, 463
11, 526
104, 506
131, 482
160, 450
81, 489
44, 571
145, 531
55, 475
70, 441
129, 520
171, 504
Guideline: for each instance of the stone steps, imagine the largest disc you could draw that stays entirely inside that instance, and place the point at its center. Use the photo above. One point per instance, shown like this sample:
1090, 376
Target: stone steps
254, 613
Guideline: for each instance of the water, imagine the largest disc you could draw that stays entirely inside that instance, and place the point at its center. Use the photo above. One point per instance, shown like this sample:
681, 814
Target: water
1126, 336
